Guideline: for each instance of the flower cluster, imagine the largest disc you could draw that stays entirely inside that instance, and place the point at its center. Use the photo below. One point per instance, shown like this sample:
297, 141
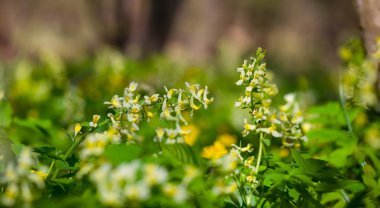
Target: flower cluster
95, 143
135, 182
21, 182
359, 81
247, 171
174, 103
257, 97
131, 108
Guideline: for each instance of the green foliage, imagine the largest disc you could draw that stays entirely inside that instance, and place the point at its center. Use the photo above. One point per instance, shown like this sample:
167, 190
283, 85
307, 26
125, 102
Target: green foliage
144, 149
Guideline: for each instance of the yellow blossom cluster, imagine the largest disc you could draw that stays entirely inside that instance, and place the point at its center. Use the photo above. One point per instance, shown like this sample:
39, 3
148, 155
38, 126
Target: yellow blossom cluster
284, 123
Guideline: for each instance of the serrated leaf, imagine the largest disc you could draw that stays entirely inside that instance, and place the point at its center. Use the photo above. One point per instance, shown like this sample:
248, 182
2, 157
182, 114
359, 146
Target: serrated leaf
181, 152
300, 160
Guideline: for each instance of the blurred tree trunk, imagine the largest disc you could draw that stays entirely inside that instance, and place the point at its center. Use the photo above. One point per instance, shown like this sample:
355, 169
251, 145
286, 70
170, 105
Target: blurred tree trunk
369, 14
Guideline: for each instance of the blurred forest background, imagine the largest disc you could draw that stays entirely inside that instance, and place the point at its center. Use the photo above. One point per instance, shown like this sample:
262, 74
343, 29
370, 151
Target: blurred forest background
301, 35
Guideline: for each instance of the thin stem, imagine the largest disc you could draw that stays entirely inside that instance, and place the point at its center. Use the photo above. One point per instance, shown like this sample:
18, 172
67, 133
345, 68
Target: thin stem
69, 152
260, 154
346, 198
342, 105
73, 147
242, 194
50, 168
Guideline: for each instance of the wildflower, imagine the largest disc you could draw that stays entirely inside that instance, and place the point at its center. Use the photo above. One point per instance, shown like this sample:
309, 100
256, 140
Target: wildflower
222, 187
139, 191
228, 162
192, 134
248, 148
206, 101
177, 192
132, 87
169, 93
150, 115
20, 183
126, 171
190, 173
215, 151
40, 174
94, 122
251, 179
248, 128
192, 104
151, 99
166, 111
77, 129
115, 102
226, 139
94, 145
272, 130
248, 162
160, 133
154, 174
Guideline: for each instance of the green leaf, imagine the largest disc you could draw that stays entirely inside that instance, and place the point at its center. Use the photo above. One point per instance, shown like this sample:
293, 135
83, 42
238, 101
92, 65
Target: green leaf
63, 181
180, 152
119, 153
5, 114
61, 165
327, 135
300, 160
339, 184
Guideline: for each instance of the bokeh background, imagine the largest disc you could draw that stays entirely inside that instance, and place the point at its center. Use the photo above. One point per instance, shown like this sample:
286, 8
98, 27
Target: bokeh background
60, 60
295, 32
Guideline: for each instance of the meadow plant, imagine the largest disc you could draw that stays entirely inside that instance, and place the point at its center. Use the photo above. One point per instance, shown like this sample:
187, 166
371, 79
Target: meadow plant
142, 150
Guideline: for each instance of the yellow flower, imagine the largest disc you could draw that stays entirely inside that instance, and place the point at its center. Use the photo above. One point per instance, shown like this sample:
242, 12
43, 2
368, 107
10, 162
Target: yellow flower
77, 129
115, 102
192, 104
41, 174
215, 151
95, 119
192, 134
160, 133
248, 148
226, 139
250, 179
249, 161
284, 152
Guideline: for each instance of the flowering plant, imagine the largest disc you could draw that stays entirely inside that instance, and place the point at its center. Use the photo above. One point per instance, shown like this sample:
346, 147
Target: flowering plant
146, 149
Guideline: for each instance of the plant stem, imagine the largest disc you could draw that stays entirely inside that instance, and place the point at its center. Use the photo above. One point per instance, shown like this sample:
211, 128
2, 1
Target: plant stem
346, 198
260, 154
69, 152
342, 105
50, 168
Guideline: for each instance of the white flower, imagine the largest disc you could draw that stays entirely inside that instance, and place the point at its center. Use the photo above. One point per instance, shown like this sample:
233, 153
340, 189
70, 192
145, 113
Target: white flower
177, 192
126, 171
155, 174
94, 122
247, 128
139, 191
132, 87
